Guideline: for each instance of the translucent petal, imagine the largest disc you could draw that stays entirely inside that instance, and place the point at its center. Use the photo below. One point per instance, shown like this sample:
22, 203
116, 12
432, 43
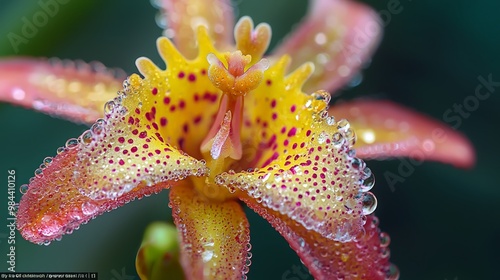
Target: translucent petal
110, 163
386, 129
184, 16
70, 89
366, 257
300, 157
338, 36
214, 235
54, 204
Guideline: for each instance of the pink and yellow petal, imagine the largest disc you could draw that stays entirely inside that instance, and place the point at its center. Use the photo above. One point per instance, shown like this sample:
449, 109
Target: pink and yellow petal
301, 159
53, 204
338, 36
180, 103
214, 236
183, 17
386, 129
73, 90
366, 257
119, 158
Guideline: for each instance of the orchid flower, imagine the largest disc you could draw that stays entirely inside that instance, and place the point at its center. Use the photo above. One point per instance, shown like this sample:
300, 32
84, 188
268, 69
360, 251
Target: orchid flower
223, 124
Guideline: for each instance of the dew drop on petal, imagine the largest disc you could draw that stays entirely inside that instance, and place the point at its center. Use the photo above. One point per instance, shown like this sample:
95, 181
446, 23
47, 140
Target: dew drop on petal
89, 208
369, 181
385, 240
369, 202
71, 143
24, 188
108, 107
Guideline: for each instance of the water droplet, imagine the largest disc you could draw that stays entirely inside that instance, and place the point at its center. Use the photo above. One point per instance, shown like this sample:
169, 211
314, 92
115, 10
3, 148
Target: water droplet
38, 173
71, 143
24, 188
108, 107
322, 137
97, 128
392, 272
368, 182
47, 161
89, 208
369, 203
330, 120
357, 163
161, 20
384, 239
60, 150
86, 137
321, 95
351, 136
301, 242
337, 139
343, 125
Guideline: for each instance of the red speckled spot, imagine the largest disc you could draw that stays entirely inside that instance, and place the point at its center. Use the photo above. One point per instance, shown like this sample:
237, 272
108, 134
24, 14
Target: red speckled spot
163, 121
181, 75
192, 77
273, 103
182, 104
293, 108
154, 91
166, 100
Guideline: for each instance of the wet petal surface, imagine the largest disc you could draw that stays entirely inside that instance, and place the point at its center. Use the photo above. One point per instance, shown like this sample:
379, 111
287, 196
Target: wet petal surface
367, 257
338, 36
184, 16
300, 157
214, 236
74, 90
387, 130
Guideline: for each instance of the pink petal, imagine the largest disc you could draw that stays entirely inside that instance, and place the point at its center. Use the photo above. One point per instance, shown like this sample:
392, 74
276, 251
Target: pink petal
120, 158
214, 235
367, 257
338, 36
184, 16
385, 129
73, 90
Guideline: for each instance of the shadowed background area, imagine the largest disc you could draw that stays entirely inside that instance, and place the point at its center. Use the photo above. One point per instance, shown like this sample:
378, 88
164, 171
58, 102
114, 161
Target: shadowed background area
442, 221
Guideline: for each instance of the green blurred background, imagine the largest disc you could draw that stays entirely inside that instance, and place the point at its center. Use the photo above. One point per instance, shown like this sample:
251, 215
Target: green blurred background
442, 221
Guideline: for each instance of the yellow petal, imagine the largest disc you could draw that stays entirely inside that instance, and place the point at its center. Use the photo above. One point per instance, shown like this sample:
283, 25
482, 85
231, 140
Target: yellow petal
214, 236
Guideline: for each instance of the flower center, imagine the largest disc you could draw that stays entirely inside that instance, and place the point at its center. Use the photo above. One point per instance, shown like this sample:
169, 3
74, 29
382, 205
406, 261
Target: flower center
235, 78
235, 74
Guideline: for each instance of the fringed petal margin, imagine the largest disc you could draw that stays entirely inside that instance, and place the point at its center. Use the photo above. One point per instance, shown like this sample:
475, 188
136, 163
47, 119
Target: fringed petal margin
107, 166
214, 235
366, 257
386, 129
183, 18
74, 90
338, 36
